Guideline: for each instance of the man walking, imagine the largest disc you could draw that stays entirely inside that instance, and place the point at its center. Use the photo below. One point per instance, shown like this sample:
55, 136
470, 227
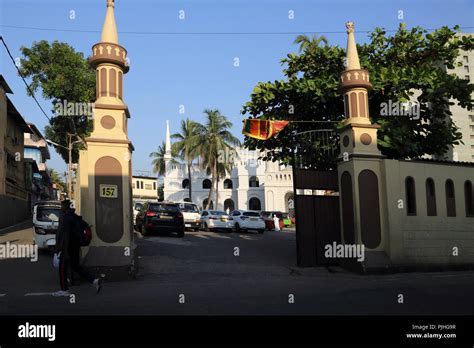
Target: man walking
68, 245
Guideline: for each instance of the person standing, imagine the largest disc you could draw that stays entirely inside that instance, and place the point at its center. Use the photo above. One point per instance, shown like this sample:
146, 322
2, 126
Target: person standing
276, 222
68, 245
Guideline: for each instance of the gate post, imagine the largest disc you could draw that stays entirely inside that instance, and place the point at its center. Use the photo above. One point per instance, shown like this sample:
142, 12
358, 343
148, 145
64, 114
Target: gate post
359, 166
105, 168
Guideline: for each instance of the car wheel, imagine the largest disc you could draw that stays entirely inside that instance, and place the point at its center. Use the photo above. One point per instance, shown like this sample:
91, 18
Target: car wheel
181, 233
260, 231
195, 229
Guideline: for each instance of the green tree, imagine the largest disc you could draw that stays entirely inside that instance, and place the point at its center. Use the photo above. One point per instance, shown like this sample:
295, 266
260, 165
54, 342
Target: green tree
410, 60
56, 179
186, 146
214, 138
310, 43
159, 159
62, 74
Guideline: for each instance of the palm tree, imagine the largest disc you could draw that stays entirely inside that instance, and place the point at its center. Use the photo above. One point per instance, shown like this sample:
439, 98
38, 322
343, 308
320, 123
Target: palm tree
56, 179
310, 43
186, 146
214, 136
159, 159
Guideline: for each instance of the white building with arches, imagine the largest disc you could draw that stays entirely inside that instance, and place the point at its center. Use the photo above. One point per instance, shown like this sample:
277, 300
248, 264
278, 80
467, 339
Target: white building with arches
252, 184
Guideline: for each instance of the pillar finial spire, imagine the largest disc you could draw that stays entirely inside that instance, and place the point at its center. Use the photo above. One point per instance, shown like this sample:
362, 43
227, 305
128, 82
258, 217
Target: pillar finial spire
109, 30
351, 53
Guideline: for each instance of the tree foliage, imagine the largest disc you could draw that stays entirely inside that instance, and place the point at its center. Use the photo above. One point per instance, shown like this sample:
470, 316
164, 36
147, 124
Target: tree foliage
213, 138
399, 66
62, 74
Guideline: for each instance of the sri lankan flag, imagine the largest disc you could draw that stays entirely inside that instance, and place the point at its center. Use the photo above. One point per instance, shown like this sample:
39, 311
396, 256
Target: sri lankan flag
262, 129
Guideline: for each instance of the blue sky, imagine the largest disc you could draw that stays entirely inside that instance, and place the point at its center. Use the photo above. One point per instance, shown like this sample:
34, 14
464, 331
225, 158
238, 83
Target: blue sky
197, 70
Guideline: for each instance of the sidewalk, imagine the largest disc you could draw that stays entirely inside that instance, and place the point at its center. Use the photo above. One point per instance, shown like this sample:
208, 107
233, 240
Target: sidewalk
17, 227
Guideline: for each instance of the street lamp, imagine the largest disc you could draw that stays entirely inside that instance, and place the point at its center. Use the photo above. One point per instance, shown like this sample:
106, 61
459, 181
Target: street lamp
69, 148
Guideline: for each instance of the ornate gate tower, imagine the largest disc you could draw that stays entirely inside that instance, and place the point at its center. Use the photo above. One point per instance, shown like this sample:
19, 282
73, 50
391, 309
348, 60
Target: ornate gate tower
360, 165
105, 168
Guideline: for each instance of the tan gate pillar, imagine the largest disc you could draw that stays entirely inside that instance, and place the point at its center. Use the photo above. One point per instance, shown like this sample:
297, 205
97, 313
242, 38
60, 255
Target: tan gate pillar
105, 168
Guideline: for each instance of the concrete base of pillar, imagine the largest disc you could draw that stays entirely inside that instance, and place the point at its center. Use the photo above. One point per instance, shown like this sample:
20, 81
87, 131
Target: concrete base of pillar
112, 263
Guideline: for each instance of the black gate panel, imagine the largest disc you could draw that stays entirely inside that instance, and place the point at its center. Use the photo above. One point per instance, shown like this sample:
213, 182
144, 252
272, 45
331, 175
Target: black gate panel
317, 215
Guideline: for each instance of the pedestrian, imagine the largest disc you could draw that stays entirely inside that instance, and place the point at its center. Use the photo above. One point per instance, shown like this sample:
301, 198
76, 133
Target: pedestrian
68, 245
276, 222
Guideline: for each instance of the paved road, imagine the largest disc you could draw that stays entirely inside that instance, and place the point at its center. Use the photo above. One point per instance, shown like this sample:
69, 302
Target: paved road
203, 267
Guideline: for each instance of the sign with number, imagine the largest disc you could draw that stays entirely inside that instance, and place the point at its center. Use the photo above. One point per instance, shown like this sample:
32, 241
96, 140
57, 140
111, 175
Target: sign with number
108, 191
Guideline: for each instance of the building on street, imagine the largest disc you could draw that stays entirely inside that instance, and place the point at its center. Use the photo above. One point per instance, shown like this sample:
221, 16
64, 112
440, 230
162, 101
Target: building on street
36, 151
14, 198
144, 188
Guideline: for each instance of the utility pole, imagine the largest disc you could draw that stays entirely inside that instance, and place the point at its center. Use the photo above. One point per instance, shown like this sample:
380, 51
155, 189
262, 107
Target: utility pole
69, 165
69, 147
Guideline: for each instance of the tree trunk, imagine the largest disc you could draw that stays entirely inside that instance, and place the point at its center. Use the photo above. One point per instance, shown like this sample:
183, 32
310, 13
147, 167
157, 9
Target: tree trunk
189, 178
211, 189
217, 192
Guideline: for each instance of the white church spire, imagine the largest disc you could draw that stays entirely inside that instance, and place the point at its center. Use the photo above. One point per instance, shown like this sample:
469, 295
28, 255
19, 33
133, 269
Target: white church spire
168, 142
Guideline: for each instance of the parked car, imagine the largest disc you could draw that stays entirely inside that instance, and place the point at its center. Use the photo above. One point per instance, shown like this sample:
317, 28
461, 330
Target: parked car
191, 215
45, 223
267, 216
160, 217
247, 220
136, 209
212, 220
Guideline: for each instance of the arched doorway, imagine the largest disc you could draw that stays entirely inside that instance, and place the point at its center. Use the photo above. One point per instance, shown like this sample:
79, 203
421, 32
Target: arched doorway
229, 204
254, 204
204, 203
290, 204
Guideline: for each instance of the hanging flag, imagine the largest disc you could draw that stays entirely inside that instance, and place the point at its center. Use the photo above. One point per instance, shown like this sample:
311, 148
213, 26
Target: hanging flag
262, 129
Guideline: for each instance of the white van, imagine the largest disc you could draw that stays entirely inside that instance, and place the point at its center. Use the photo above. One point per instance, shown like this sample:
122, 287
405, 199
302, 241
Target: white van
45, 223
191, 214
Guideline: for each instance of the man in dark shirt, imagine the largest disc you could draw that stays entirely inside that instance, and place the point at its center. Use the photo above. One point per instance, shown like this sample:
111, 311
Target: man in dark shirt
69, 247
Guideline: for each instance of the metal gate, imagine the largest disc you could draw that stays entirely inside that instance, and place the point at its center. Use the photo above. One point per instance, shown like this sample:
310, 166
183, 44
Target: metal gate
317, 215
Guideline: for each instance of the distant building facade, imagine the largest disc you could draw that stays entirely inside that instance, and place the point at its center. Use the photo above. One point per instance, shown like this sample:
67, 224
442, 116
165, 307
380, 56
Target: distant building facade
252, 184
463, 118
144, 187
36, 151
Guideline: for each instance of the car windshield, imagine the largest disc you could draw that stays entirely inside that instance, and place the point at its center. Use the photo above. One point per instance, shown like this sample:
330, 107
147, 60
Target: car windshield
266, 214
188, 208
251, 213
164, 207
216, 212
138, 206
48, 214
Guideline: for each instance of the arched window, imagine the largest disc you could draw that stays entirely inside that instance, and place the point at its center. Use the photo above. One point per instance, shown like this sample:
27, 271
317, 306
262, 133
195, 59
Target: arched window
254, 204
469, 197
206, 184
430, 197
253, 182
450, 198
185, 184
410, 196
228, 184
